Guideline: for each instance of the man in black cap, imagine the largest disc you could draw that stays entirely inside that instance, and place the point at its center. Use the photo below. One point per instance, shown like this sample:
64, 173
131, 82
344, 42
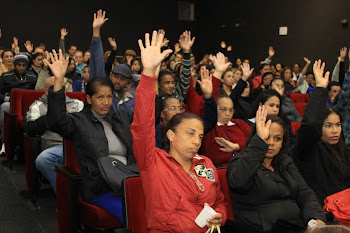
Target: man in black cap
19, 78
120, 75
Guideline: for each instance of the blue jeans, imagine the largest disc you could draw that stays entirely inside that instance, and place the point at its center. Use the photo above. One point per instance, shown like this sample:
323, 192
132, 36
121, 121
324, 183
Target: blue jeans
46, 162
110, 203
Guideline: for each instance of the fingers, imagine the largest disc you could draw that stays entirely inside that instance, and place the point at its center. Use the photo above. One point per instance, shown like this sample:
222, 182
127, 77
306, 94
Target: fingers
326, 76
268, 124
141, 45
166, 53
147, 42
46, 62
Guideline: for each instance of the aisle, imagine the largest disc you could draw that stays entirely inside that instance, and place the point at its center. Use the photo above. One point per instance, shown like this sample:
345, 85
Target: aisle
17, 212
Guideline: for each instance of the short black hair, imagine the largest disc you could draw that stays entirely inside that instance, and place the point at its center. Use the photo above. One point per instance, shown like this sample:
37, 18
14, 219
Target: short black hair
93, 83
331, 84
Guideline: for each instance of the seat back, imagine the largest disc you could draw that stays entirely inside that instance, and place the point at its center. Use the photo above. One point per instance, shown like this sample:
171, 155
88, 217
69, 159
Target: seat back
134, 202
300, 108
134, 205
299, 98
77, 95
295, 126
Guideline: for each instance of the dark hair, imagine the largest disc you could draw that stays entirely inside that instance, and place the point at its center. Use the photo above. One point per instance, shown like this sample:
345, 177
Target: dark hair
285, 143
200, 66
35, 55
263, 65
174, 122
340, 151
165, 100
264, 96
132, 62
310, 72
276, 78
85, 67
7, 50
92, 85
162, 73
331, 84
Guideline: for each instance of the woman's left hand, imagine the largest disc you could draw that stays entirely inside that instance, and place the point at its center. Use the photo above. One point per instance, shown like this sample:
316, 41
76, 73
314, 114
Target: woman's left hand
216, 220
226, 145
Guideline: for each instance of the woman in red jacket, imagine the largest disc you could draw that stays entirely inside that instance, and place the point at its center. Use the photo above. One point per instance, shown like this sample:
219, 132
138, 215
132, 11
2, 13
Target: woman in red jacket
233, 130
177, 182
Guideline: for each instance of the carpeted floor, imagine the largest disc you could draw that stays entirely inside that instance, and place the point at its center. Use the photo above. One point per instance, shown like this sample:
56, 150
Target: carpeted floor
17, 212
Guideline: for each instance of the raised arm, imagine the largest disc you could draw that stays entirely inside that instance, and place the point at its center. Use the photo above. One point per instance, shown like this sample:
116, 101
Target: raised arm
220, 67
186, 43
57, 118
271, 53
242, 168
311, 125
43, 75
210, 117
111, 57
242, 84
62, 46
143, 125
96, 64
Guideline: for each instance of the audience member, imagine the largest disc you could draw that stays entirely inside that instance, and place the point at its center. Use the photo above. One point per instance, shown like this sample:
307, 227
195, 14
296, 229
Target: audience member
95, 133
80, 84
51, 143
334, 89
320, 153
268, 192
179, 164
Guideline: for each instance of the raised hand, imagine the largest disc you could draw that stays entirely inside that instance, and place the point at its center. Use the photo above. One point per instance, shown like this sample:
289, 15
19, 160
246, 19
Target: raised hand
58, 67
262, 127
308, 62
271, 52
223, 44
229, 48
64, 33
29, 46
112, 43
219, 63
226, 146
247, 72
15, 41
151, 55
47, 56
321, 81
186, 42
165, 40
99, 20
206, 84
343, 53
177, 48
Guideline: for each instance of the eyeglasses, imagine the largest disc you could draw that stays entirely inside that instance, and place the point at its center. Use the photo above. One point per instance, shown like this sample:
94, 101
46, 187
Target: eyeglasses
199, 184
179, 109
224, 109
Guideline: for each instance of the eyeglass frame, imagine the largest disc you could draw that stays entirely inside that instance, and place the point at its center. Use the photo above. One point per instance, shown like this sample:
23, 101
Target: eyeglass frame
179, 109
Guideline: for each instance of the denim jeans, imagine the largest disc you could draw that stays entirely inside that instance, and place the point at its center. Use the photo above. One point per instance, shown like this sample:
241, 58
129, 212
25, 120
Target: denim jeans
46, 162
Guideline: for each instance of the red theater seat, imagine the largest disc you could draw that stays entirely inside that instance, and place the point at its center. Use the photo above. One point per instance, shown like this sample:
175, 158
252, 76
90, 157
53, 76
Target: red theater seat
71, 209
299, 98
295, 126
300, 108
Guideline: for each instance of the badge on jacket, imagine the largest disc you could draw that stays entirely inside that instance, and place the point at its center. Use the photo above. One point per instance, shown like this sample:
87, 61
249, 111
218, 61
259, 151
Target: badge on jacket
203, 171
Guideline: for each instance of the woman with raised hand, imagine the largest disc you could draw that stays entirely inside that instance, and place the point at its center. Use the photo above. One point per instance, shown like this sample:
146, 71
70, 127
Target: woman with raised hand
321, 153
177, 182
268, 192
95, 133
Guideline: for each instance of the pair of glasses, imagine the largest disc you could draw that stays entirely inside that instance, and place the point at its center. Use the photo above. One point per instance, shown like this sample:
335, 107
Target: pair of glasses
224, 109
199, 184
178, 109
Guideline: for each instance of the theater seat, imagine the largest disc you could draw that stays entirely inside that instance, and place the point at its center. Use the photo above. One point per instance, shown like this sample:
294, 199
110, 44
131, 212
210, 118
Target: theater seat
226, 191
71, 209
32, 145
300, 108
295, 126
299, 98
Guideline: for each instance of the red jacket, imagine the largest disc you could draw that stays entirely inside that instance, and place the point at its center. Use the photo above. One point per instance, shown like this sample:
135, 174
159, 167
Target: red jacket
257, 81
195, 102
173, 199
236, 133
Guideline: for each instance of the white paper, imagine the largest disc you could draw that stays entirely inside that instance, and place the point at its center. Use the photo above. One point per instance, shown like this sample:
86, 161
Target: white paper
283, 31
202, 217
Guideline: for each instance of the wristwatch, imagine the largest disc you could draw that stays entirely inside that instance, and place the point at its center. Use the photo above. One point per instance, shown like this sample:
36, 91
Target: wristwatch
312, 223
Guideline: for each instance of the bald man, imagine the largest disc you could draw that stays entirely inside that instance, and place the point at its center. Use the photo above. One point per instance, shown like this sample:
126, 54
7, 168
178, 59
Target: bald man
51, 143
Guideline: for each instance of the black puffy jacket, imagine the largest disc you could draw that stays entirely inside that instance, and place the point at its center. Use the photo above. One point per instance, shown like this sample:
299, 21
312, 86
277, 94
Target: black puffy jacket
89, 139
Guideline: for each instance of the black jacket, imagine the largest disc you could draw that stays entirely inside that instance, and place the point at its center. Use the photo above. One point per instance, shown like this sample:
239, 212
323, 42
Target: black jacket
89, 139
311, 154
242, 105
261, 197
12, 79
